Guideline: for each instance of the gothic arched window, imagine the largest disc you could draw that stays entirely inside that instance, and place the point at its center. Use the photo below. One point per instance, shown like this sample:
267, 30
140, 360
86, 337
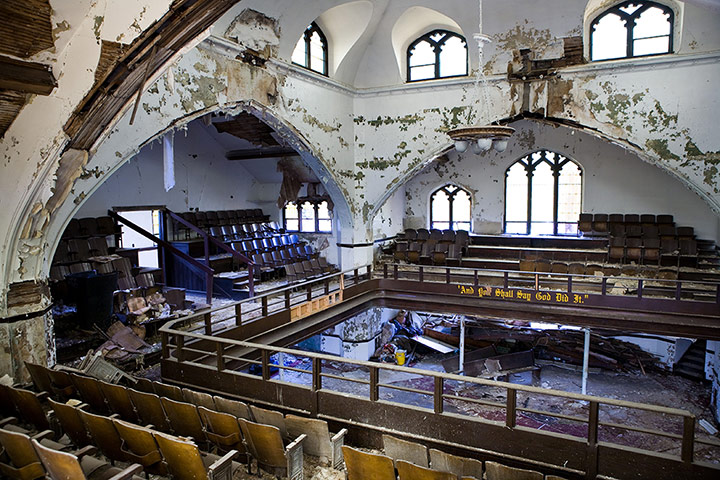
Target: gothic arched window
438, 54
450, 208
632, 29
543, 195
311, 50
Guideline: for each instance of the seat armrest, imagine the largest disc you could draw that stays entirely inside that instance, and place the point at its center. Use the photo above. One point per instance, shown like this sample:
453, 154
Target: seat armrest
336, 443
222, 467
86, 450
8, 421
128, 472
294, 457
42, 435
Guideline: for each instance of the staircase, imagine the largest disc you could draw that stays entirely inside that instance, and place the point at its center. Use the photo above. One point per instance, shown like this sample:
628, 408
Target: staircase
692, 364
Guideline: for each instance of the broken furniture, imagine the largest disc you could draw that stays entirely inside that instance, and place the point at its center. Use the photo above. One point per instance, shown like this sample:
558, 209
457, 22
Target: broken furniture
140, 446
399, 449
460, 466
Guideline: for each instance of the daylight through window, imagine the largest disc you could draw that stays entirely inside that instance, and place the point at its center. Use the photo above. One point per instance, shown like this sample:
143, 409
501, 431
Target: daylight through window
438, 54
450, 208
311, 50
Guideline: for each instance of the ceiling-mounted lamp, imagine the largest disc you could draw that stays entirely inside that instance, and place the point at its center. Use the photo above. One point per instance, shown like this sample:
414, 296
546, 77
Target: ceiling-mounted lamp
481, 136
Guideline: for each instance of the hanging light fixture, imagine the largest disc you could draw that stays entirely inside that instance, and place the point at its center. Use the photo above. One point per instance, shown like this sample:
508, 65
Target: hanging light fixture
480, 138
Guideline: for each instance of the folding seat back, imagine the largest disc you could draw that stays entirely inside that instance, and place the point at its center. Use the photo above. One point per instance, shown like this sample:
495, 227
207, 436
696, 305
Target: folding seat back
318, 441
211, 218
88, 226
615, 218
667, 230
585, 222
360, 465
227, 233
223, 431
80, 267
462, 238
448, 236
265, 444
199, 399
184, 419
29, 407
184, 461
105, 436
422, 234
235, 408
435, 234
168, 391
686, 232
106, 226
665, 220
413, 253
98, 246
600, 222
140, 446
409, 471
399, 449
633, 230
40, 377
632, 219
144, 385
90, 393
71, 423
79, 249
650, 231
290, 273
216, 232
647, 219
149, 409
23, 462
222, 217
118, 400
238, 231
410, 234
73, 229
460, 466
497, 471
201, 219
559, 267
269, 417
62, 465
277, 259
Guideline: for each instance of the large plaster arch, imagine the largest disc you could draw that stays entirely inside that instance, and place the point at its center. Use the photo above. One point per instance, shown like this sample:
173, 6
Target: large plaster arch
447, 148
104, 163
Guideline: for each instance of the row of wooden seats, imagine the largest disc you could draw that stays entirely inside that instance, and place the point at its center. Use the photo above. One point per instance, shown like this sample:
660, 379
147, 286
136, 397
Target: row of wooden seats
30, 457
429, 253
91, 227
460, 237
234, 232
602, 223
307, 269
592, 269
129, 277
268, 244
667, 251
197, 415
206, 220
79, 249
406, 460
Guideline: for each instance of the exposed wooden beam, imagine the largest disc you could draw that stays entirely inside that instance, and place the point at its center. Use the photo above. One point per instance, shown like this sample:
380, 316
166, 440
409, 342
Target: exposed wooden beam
267, 152
26, 77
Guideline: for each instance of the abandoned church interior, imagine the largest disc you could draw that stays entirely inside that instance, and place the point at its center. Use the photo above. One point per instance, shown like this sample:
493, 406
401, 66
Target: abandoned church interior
362, 239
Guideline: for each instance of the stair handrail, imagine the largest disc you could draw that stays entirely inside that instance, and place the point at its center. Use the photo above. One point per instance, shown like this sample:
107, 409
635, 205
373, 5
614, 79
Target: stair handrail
207, 239
209, 271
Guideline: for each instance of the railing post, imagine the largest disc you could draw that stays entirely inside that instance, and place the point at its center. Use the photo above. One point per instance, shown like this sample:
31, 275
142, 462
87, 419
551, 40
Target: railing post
374, 389
592, 447
510, 405
238, 314
475, 279
717, 294
356, 274
688, 440
640, 288
308, 296
569, 283
266, 365
447, 275
264, 306
220, 360
287, 299
327, 287
179, 345
208, 287
395, 271
678, 290
506, 279
604, 286
164, 338
369, 268
421, 274
316, 384
208, 323
537, 281
385, 270
438, 394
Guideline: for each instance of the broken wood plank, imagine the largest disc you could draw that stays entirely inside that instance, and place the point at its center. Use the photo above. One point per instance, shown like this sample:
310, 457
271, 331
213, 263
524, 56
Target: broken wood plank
26, 77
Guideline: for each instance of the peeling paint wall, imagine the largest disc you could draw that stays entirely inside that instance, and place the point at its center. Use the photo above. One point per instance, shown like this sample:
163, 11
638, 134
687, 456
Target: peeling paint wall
610, 181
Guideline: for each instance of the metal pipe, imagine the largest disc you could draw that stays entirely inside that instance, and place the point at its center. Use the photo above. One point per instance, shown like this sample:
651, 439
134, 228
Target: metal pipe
586, 361
462, 343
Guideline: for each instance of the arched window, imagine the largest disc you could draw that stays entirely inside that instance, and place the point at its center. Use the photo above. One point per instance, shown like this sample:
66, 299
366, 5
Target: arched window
543, 195
310, 216
438, 54
632, 29
450, 208
311, 50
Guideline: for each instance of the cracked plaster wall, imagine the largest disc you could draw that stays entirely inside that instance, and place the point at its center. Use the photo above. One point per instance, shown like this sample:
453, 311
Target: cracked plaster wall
611, 183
